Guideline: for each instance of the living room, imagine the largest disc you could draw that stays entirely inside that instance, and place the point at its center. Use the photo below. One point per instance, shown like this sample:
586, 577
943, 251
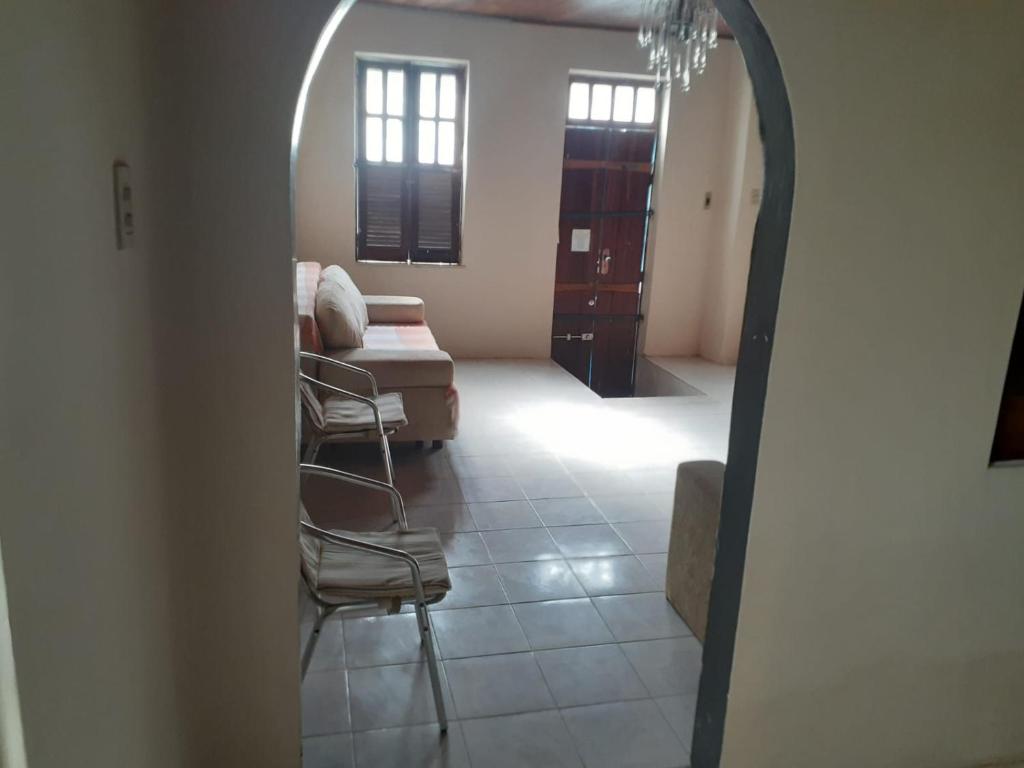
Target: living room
865, 605
545, 460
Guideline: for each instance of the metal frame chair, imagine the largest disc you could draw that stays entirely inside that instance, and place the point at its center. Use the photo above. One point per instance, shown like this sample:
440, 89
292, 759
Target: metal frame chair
326, 605
319, 436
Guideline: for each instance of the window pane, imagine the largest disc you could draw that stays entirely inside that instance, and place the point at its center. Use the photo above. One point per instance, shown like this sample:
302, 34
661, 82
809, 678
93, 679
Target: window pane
623, 104
374, 91
447, 106
645, 105
426, 151
394, 143
579, 101
446, 143
428, 94
601, 102
374, 139
396, 92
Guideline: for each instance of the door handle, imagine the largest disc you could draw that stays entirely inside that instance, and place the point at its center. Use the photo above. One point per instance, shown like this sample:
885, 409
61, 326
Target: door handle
604, 262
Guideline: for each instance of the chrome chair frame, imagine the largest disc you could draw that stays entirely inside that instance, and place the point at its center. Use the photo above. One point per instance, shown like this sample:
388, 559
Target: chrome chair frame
325, 608
318, 437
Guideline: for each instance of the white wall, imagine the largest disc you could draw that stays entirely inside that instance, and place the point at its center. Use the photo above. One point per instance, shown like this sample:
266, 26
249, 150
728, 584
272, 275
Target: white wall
698, 257
81, 519
498, 304
882, 619
147, 448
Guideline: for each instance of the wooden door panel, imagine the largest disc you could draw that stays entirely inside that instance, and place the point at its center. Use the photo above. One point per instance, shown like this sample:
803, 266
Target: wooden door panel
573, 355
613, 359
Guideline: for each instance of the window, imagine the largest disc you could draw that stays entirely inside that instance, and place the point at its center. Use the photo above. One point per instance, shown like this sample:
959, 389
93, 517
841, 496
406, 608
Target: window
1009, 441
409, 162
627, 105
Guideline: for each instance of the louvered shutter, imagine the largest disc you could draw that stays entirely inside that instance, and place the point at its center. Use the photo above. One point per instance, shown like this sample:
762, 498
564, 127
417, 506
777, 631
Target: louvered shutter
437, 215
382, 214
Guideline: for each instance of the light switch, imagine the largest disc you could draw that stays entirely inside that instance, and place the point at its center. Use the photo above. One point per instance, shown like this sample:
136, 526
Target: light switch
123, 206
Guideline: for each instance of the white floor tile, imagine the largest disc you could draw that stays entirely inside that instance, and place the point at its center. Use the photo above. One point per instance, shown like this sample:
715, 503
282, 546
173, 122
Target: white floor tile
532, 740
473, 586
613, 575
668, 667
571, 511
588, 541
334, 751
479, 466
540, 580
550, 487
562, 623
416, 746
656, 565
647, 616
627, 509
330, 647
478, 631
385, 697
476, 489
632, 734
497, 685
325, 703
593, 674
379, 640
645, 537
446, 518
516, 546
502, 515
464, 549
680, 712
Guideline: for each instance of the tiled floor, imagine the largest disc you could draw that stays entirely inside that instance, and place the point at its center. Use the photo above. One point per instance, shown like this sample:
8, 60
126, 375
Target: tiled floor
558, 646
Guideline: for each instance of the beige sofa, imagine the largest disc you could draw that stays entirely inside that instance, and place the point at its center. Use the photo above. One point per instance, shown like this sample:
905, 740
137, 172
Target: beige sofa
400, 351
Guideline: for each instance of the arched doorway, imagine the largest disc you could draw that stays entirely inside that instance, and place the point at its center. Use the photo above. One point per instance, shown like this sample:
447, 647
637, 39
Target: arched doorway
764, 285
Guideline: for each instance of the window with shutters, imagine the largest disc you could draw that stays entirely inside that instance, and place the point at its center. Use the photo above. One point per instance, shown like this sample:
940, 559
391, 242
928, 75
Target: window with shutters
409, 161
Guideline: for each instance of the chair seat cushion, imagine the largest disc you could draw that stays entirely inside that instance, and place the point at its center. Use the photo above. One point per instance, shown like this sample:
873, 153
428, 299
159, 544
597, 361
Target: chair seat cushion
343, 573
342, 416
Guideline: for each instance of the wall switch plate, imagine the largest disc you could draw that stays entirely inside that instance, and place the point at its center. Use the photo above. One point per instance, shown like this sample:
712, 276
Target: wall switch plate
123, 206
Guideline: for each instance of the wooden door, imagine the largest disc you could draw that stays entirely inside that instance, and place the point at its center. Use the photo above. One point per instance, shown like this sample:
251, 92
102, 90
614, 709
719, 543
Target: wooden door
603, 225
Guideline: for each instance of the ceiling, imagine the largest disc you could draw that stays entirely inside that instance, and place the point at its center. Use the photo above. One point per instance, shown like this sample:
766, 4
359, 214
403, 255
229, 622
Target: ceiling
603, 14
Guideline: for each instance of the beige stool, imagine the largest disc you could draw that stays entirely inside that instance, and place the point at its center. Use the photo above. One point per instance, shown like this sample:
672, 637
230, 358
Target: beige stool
692, 544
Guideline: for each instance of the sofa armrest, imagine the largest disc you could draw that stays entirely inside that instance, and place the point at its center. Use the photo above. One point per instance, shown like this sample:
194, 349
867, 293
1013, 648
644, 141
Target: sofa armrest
393, 369
395, 310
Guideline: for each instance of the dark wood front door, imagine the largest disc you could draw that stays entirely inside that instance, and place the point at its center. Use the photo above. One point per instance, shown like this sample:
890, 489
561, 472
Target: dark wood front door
603, 224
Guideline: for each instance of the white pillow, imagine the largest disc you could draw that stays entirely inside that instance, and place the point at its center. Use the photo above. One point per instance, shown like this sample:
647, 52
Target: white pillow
336, 274
337, 315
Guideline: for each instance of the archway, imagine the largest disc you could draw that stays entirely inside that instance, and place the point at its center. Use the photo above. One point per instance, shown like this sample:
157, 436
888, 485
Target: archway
764, 286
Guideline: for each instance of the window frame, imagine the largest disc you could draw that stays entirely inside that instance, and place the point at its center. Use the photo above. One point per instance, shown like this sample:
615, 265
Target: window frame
412, 171
613, 80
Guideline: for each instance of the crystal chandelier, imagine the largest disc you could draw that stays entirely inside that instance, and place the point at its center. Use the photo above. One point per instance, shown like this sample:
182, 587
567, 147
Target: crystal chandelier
679, 34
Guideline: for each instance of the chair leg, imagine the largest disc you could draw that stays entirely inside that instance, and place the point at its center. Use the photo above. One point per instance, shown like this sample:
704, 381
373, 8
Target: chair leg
307, 653
397, 511
426, 636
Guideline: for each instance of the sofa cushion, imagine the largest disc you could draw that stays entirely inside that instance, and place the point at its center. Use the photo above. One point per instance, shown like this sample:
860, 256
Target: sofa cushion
393, 369
337, 314
336, 274
307, 277
395, 310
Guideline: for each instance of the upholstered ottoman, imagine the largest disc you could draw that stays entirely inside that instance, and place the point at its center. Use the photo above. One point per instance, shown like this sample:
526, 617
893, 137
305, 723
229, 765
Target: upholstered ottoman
692, 543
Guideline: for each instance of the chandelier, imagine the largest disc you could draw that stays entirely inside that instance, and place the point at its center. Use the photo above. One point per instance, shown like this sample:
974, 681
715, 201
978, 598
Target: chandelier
679, 34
